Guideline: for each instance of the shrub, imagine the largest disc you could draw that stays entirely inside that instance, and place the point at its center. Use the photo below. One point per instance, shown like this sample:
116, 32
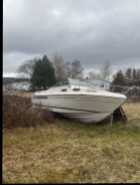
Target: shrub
18, 112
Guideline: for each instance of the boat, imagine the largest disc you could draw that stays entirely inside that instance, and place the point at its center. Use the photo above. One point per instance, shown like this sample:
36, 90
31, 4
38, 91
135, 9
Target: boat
79, 100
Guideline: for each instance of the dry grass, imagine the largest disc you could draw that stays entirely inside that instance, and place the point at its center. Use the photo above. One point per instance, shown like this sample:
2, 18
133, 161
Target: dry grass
24, 94
132, 110
70, 151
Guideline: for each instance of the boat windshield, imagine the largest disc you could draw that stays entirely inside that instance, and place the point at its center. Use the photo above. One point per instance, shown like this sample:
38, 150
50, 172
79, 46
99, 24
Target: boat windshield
77, 82
94, 84
65, 82
88, 83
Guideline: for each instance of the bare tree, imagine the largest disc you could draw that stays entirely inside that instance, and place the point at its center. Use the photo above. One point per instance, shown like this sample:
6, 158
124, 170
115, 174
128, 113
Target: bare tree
59, 66
105, 71
92, 75
68, 69
27, 67
76, 69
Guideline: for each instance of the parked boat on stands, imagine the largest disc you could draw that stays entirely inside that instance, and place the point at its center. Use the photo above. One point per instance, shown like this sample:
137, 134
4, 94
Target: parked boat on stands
79, 100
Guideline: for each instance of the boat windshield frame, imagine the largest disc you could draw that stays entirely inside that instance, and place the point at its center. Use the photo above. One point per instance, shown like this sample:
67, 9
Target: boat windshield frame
82, 83
71, 82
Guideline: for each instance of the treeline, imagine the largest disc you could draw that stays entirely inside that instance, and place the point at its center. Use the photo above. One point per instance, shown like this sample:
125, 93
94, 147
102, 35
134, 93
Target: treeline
127, 82
44, 73
129, 77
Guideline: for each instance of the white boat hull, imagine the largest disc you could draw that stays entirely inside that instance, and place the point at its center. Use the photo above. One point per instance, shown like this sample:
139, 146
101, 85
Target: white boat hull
82, 116
86, 108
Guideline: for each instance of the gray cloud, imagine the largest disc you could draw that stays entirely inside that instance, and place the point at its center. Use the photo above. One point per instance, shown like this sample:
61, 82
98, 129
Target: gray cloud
92, 31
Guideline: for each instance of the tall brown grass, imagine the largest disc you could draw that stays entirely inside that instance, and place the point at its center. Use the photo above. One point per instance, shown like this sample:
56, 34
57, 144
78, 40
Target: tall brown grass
18, 112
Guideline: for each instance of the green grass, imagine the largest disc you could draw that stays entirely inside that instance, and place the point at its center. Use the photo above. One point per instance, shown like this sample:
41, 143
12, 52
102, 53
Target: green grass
68, 151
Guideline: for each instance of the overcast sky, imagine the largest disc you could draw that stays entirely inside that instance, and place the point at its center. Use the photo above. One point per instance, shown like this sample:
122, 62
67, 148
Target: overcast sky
92, 31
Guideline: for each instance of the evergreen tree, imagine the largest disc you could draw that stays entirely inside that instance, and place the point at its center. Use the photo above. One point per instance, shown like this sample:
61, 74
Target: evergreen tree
138, 74
128, 74
118, 82
119, 78
134, 74
43, 75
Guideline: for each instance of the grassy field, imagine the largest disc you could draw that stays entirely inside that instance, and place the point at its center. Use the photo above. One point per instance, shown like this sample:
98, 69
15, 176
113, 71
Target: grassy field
68, 151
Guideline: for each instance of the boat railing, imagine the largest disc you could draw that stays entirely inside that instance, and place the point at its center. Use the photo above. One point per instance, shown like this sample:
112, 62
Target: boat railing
93, 85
